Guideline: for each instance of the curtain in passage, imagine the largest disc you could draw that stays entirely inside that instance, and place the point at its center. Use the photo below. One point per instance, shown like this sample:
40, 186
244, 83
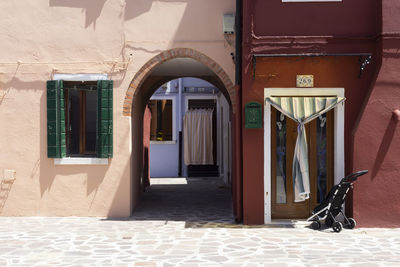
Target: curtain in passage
302, 110
197, 137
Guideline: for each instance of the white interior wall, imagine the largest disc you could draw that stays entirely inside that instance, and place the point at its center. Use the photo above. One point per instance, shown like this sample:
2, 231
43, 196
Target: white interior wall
164, 156
225, 139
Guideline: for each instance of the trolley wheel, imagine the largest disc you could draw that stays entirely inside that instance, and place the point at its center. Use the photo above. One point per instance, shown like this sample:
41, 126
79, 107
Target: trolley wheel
337, 227
352, 223
328, 222
316, 225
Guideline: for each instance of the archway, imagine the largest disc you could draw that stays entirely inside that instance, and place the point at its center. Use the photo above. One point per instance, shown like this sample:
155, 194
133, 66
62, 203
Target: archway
169, 65
220, 78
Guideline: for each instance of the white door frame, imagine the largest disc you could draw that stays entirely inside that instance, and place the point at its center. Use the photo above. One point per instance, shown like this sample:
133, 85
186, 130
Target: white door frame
338, 135
188, 97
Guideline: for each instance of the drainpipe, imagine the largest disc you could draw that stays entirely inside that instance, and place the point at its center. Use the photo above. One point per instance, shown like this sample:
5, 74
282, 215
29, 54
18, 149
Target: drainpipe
180, 103
180, 118
238, 188
238, 43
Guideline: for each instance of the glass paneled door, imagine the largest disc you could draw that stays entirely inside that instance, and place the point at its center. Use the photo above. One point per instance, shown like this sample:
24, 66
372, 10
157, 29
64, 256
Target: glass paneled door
320, 152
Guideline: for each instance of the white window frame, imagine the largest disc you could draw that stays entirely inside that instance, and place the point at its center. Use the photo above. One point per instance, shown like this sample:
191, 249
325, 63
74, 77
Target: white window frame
174, 138
80, 160
80, 77
338, 170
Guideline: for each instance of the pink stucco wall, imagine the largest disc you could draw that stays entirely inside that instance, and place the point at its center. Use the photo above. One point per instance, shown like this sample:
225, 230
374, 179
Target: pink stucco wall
73, 36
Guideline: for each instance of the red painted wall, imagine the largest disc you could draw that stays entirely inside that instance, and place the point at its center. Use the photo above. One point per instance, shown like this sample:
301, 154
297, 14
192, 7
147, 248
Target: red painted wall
237, 184
332, 27
346, 18
376, 201
146, 146
276, 72
371, 136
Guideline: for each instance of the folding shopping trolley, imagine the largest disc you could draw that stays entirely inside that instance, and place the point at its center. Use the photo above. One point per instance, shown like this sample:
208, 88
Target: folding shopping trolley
332, 205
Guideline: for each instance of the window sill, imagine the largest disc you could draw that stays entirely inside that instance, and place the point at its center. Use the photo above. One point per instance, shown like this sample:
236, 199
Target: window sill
81, 161
173, 142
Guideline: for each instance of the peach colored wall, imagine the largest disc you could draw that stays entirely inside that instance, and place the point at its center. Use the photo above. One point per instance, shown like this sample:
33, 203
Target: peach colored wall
93, 36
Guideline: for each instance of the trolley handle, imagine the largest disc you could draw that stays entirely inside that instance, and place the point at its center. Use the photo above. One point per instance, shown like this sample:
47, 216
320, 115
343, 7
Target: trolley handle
352, 177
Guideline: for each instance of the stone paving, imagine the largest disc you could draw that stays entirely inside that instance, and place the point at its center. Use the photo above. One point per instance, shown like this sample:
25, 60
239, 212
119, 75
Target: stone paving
199, 232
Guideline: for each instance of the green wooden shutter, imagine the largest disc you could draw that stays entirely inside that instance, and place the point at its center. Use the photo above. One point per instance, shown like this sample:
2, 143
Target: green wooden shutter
55, 120
104, 118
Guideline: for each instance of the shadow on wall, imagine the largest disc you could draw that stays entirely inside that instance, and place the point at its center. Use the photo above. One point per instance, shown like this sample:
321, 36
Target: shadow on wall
195, 21
48, 171
118, 204
15, 82
192, 20
5, 86
133, 8
5, 188
384, 146
92, 8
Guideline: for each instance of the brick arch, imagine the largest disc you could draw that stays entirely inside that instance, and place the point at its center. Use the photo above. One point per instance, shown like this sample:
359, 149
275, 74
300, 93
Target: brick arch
164, 56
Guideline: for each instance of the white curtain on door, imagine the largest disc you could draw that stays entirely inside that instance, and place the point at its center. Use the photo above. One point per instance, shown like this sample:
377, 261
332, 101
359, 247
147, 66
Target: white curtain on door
303, 110
197, 137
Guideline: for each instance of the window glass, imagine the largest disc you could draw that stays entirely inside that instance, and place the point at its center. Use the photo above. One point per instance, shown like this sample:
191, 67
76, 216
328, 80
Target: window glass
161, 120
73, 122
81, 118
280, 158
91, 121
321, 157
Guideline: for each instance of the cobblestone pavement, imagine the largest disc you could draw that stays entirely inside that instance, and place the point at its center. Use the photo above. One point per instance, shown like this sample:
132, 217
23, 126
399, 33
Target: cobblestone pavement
198, 232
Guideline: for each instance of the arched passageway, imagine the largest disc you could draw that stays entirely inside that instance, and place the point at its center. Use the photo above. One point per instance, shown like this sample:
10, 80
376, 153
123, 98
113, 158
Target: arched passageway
169, 65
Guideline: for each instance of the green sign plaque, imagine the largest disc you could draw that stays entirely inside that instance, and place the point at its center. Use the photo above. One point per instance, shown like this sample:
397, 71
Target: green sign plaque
253, 115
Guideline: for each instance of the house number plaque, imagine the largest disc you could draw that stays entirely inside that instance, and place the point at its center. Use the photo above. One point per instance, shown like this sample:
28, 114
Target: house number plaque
305, 81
